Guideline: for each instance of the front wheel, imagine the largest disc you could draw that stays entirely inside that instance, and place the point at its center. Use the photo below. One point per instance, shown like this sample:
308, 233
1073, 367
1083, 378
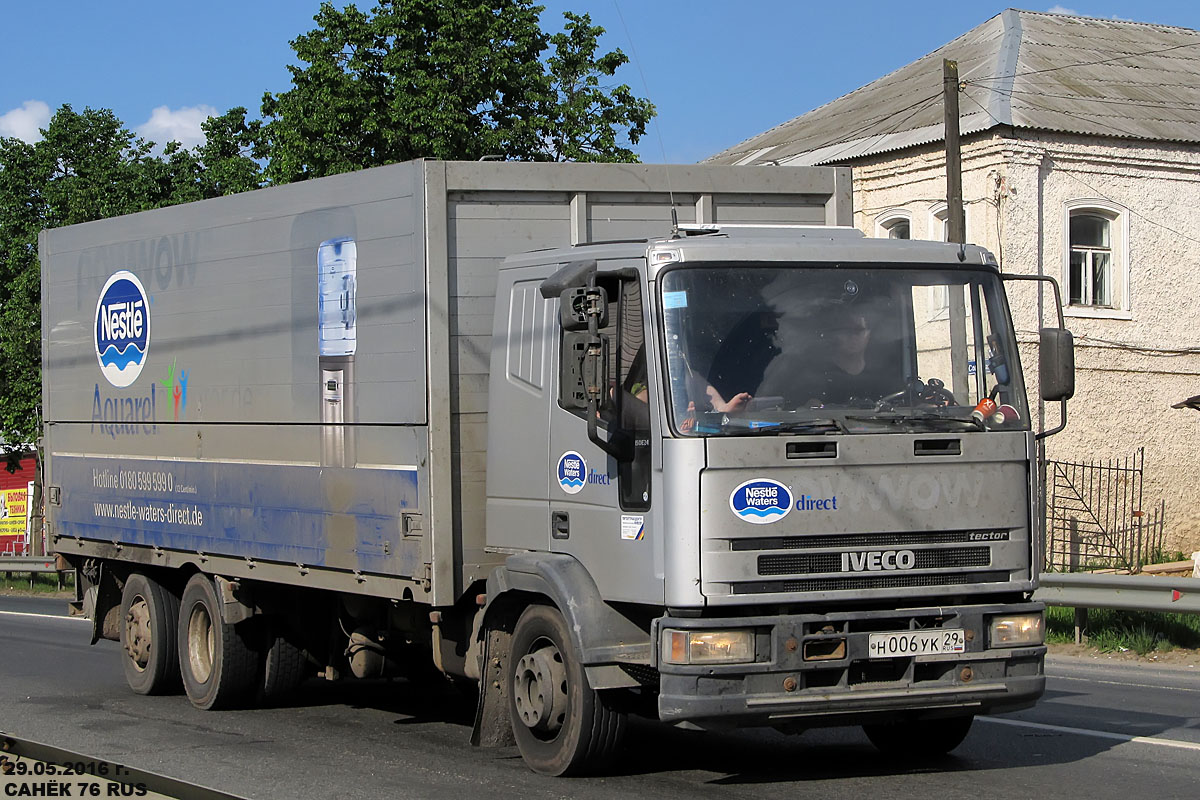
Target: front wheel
926, 738
562, 725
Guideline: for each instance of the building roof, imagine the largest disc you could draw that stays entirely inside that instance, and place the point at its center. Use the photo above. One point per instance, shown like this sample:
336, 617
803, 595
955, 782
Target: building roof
1023, 69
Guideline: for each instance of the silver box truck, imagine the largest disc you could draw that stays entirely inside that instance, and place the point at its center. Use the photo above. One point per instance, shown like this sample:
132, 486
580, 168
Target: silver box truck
509, 421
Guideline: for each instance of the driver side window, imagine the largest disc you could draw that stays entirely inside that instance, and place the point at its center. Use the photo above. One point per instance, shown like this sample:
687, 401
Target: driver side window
964, 333
625, 408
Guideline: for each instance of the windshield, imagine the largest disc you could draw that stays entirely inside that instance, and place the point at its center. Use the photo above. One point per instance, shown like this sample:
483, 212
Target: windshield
803, 349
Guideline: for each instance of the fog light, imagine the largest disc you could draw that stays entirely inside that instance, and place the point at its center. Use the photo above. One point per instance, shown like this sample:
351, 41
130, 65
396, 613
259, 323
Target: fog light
1016, 630
707, 647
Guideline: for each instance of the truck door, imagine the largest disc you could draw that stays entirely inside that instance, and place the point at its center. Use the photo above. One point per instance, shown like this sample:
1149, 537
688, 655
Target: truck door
599, 504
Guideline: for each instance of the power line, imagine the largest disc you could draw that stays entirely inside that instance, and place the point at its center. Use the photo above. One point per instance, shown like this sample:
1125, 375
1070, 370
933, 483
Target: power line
849, 140
1164, 104
1091, 120
1132, 211
1112, 344
1101, 195
1087, 63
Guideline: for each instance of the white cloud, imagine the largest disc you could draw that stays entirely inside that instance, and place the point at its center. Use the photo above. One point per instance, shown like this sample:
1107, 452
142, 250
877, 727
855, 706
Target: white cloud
1062, 10
181, 125
24, 123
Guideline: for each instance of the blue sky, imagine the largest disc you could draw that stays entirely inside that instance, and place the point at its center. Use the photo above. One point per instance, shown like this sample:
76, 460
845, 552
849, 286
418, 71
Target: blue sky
718, 71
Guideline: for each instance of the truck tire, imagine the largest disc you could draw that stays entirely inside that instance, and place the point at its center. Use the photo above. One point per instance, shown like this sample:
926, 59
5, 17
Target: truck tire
562, 725
218, 661
284, 668
926, 738
149, 615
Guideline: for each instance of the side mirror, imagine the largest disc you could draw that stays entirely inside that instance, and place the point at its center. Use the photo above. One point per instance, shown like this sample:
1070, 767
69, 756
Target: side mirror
577, 305
595, 371
572, 393
583, 374
1056, 367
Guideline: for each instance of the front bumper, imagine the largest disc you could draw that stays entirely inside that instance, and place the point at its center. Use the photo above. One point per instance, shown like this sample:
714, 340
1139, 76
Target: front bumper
838, 683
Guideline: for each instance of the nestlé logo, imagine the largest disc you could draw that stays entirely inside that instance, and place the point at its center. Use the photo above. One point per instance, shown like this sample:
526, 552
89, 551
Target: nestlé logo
761, 501
122, 332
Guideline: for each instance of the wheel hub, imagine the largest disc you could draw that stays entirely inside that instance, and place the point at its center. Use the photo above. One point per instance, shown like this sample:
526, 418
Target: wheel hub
200, 643
540, 689
137, 633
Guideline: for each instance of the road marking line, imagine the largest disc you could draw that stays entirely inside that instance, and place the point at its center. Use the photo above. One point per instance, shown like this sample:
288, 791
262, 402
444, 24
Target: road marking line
1121, 683
42, 616
1121, 737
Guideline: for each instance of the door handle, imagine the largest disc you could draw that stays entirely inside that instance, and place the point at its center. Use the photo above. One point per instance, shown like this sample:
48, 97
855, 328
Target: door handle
560, 525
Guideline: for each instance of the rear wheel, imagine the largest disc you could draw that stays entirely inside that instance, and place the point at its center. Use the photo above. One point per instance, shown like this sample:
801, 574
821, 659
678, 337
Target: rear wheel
149, 615
284, 667
925, 738
218, 661
562, 725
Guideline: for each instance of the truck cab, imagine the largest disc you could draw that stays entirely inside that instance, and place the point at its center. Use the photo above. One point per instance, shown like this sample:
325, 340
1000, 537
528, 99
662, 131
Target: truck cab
786, 476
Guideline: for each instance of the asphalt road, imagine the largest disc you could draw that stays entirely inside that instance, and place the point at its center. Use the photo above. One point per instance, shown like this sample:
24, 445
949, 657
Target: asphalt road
1103, 731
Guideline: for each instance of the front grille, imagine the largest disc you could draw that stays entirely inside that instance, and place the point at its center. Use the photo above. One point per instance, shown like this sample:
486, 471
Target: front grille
890, 580
868, 540
804, 563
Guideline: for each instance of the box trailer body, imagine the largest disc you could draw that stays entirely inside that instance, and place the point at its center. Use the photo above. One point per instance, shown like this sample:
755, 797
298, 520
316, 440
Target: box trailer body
358, 404
233, 376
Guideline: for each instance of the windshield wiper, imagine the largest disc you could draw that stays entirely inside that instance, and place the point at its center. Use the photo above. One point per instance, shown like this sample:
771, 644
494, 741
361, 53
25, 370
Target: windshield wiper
766, 427
897, 419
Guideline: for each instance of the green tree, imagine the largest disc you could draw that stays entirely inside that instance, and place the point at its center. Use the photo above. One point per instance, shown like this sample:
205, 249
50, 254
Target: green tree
584, 120
452, 79
226, 158
88, 166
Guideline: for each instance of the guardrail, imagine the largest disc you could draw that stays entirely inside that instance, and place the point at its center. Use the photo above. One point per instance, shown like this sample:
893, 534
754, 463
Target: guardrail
1125, 592
28, 564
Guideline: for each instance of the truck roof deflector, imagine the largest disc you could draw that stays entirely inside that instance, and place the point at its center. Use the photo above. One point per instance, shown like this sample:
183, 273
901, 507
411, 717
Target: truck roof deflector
570, 276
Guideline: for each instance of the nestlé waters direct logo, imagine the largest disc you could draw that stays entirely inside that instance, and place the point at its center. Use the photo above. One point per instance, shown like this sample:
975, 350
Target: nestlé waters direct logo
572, 472
122, 328
761, 501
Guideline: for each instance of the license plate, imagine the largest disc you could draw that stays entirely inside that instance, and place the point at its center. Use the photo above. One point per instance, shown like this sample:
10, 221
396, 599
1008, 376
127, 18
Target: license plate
916, 643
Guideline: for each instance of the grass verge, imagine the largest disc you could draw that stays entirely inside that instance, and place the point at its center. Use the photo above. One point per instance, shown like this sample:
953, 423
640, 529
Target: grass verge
1111, 630
35, 582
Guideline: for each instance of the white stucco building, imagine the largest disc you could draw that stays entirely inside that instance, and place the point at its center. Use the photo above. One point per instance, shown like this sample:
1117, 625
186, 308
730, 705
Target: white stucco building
1080, 160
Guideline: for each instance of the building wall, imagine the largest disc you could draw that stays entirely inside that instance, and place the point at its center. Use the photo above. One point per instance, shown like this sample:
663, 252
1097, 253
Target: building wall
1132, 365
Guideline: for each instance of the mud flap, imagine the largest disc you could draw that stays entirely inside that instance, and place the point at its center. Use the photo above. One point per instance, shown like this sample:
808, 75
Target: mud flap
493, 728
102, 605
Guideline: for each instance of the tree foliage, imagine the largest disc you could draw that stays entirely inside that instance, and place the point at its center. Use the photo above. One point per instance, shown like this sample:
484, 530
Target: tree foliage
450, 79
583, 117
87, 166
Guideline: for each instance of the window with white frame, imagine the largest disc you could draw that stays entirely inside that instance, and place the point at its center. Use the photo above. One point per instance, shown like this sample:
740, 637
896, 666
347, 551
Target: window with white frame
1096, 268
939, 227
894, 225
939, 222
939, 231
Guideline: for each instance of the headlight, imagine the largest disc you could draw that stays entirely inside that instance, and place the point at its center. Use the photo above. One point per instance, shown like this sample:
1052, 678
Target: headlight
1016, 630
707, 647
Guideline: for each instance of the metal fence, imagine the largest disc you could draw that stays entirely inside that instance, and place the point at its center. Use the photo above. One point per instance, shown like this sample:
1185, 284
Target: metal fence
1095, 517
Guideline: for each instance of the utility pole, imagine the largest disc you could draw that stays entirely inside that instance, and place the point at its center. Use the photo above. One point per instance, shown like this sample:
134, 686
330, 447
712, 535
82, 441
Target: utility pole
956, 225
955, 218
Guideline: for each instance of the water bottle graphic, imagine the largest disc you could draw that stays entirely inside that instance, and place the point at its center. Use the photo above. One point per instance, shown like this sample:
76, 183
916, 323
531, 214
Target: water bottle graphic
337, 338
336, 289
